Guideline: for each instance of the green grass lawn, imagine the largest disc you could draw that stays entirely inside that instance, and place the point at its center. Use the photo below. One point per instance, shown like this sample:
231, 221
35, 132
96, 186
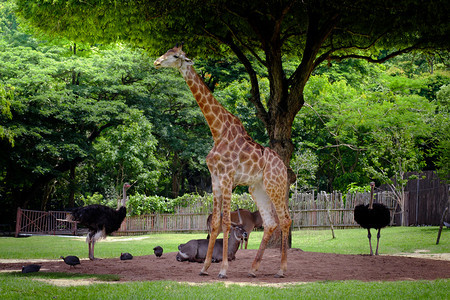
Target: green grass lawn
349, 241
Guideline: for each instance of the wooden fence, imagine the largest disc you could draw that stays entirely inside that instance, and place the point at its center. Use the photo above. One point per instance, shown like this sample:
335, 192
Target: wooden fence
178, 222
308, 210
428, 198
321, 210
44, 222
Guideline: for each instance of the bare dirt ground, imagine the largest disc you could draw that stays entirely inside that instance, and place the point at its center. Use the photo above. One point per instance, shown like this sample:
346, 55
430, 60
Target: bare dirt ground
302, 267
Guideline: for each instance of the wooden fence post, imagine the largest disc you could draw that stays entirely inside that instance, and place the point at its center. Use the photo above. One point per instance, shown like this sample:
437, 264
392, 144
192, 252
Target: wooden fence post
328, 212
18, 221
441, 225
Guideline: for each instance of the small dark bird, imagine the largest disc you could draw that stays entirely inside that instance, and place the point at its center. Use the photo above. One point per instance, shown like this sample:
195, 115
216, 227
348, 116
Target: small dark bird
447, 224
101, 220
31, 268
158, 251
373, 215
71, 260
126, 256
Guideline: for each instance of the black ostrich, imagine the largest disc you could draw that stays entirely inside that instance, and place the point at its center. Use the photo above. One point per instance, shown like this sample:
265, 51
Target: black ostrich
101, 220
373, 215
71, 260
158, 250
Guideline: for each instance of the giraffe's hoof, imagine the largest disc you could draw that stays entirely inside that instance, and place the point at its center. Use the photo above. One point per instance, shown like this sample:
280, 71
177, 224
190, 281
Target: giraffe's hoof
203, 273
251, 274
222, 276
279, 276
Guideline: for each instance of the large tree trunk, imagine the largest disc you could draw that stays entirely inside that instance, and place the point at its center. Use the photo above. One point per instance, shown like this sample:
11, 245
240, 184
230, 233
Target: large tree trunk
280, 141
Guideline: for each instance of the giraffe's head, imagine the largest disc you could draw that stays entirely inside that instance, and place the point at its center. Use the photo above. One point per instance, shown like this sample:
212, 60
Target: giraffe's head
174, 58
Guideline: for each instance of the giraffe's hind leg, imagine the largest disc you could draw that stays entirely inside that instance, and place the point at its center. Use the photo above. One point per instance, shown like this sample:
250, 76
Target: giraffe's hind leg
285, 223
276, 186
265, 208
264, 200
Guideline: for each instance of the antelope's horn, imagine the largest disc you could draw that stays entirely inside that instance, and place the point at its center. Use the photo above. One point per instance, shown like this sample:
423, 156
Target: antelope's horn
239, 214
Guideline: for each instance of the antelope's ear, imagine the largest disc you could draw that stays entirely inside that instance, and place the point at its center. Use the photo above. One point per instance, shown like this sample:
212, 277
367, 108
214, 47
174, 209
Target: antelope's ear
188, 61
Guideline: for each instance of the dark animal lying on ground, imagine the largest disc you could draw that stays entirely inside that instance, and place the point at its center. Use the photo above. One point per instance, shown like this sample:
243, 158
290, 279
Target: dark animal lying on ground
31, 268
126, 256
195, 250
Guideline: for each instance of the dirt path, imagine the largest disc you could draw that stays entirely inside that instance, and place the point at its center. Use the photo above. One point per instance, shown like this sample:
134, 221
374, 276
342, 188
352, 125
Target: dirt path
302, 267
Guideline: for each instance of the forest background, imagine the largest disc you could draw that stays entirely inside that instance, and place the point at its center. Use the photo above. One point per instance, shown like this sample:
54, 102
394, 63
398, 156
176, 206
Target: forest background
78, 120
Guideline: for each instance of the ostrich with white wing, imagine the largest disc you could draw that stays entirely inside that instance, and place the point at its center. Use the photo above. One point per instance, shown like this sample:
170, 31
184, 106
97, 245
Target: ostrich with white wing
100, 220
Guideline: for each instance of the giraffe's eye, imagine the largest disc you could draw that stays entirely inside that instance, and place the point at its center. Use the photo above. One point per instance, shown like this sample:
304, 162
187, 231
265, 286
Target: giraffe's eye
176, 56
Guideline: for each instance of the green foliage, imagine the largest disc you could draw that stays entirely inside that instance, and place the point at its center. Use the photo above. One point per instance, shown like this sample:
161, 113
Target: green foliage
127, 151
443, 133
95, 198
142, 204
60, 107
86, 121
304, 164
5, 113
184, 138
371, 131
354, 188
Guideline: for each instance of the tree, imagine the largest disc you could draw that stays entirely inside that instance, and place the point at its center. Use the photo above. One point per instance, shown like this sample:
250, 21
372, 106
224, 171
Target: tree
124, 153
54, 121
260, 34
368, 134
393, 151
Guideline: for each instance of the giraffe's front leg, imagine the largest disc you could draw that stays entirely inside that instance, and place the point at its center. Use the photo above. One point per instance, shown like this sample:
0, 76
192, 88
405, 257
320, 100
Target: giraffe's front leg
226, 224
215, 223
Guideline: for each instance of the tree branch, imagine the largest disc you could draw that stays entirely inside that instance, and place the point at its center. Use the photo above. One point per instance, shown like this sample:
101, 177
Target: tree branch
255, 99
375, 60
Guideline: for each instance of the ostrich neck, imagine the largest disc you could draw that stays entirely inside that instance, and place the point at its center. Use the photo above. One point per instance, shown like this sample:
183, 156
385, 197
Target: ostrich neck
124, 199
215, 114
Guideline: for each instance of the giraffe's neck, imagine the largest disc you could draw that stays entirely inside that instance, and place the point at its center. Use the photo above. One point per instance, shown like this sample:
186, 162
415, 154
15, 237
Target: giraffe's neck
215, 114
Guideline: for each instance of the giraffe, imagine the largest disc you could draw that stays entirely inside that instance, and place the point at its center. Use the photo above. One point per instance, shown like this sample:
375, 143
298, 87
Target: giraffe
236, 159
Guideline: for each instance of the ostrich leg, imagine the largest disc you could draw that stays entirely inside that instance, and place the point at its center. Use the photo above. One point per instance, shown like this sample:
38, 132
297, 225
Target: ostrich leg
91, 242
91, 250
378, 240
370, 241
91, 246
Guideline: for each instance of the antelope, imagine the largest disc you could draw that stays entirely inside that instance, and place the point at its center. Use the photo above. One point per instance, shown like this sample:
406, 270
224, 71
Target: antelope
195, 250
248, 220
